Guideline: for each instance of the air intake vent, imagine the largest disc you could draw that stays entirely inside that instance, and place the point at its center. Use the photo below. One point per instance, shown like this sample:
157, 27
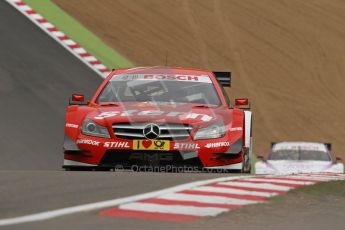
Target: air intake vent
167, 131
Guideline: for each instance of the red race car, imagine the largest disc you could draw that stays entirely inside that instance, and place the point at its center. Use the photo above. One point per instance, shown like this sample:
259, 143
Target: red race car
159, 117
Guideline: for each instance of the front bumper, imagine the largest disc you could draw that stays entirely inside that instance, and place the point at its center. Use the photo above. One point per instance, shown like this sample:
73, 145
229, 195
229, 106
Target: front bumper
265, 169
101, 152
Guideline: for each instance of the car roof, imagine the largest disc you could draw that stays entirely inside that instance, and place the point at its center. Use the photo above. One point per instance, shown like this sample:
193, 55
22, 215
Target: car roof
300, 145
161, 69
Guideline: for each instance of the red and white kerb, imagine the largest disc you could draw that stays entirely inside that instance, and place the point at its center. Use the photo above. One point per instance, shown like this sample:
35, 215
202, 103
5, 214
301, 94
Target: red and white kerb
209, 200
61, 38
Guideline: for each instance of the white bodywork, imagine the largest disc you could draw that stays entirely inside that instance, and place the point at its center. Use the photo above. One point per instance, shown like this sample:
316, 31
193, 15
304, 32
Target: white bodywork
298, 166
237, 166
292, 167
75, 163
248, 131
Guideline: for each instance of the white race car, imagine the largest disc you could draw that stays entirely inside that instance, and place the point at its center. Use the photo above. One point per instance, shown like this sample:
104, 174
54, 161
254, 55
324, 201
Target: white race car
299, 157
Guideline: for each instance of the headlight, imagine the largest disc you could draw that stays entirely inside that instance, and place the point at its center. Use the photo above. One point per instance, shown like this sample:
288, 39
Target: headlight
90, 128
214, 131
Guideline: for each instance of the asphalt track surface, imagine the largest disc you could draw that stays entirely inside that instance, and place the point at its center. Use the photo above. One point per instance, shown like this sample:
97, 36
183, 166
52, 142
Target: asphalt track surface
37, 76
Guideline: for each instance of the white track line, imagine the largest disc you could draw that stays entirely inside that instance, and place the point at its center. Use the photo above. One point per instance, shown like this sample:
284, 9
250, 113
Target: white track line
173, 209
207, 199
109, 203
316, 178
255, 185
233, 191
279, 181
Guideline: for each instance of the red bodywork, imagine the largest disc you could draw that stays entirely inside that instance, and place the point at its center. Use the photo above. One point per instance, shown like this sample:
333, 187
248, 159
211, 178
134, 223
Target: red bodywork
91, 150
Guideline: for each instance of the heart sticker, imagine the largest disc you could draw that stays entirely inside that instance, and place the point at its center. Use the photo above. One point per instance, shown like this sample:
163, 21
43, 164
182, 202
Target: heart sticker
146, 143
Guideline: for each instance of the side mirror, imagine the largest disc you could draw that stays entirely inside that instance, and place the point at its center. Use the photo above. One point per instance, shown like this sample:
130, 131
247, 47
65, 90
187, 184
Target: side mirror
77, 99
337, 158
260, 157
242, 103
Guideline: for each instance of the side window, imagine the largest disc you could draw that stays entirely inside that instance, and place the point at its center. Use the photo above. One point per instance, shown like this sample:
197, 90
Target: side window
227, 99
225, 95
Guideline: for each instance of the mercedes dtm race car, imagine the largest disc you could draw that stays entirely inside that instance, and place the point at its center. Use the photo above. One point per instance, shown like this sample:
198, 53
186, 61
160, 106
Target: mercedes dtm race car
159, 116
299, 157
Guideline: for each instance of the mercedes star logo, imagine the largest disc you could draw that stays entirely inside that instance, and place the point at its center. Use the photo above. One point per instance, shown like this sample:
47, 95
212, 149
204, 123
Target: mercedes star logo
151, 131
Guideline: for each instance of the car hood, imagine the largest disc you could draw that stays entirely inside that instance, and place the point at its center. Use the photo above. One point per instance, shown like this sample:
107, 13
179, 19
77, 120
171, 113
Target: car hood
159, 112
290, 166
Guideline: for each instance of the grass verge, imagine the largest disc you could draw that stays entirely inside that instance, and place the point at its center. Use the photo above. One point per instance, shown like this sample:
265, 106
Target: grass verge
320, 190
253, 161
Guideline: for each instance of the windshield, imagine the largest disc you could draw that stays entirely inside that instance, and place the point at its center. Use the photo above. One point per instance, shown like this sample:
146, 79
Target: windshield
295, 154
169, 88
